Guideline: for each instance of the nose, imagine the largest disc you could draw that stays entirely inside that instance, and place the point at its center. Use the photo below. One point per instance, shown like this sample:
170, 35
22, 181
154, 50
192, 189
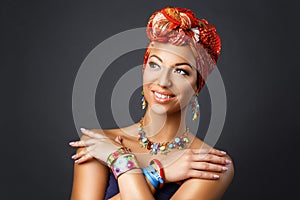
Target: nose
164, 79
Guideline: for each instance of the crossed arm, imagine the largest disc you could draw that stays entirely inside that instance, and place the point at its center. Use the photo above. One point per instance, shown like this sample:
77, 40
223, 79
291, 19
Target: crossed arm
200, 189
91, 177
197, 171
90, 182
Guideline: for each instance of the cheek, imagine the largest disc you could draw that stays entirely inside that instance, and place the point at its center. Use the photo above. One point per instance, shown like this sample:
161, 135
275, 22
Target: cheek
187, 92
148, 79
149, 76
187, 86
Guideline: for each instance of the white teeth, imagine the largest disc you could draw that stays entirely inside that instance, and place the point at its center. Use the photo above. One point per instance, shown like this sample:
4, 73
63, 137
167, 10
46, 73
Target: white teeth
162, 96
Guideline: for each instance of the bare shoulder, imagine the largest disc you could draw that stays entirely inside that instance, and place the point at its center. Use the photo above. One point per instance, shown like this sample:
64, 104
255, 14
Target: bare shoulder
197, 143
111, 133
206, 189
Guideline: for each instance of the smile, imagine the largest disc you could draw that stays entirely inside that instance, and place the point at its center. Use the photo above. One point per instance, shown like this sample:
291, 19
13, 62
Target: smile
163, 98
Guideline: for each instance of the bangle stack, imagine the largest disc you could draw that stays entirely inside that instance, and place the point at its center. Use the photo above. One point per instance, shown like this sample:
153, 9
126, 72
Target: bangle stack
122, 161
151, 173
159, 168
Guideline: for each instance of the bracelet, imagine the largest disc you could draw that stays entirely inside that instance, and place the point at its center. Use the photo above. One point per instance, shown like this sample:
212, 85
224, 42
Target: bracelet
160, 169
154, 178
146, 173
124, 163
113, 156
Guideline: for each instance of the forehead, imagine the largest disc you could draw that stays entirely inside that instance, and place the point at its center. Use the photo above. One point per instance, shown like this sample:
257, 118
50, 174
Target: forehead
181, 53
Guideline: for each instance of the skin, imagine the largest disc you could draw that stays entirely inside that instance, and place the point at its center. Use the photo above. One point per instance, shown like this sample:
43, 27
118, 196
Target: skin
203, 172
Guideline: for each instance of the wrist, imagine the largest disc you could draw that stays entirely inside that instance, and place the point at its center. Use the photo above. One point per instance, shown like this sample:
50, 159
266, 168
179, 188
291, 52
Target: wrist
121, 161
154, 174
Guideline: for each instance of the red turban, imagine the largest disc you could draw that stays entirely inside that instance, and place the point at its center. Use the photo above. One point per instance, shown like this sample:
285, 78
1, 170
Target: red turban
179, 26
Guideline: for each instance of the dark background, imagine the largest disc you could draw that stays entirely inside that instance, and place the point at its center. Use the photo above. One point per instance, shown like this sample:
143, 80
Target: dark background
43, 44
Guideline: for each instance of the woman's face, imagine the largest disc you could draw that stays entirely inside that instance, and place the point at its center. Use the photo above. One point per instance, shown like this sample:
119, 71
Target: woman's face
169, 77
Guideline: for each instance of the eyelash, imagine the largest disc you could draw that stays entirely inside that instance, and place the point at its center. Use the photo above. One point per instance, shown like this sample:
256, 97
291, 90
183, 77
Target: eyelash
178, 70
152, 65
185, 73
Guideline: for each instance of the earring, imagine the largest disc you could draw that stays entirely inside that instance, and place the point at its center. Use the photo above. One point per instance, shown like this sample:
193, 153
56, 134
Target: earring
143, 100
195, 108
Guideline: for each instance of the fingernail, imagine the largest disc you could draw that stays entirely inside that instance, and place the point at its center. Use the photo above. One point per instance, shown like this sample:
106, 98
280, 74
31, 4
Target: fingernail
71, 143
224, 168
228, 161
216, 176
73, 156
82, 129
76, 161
223, 152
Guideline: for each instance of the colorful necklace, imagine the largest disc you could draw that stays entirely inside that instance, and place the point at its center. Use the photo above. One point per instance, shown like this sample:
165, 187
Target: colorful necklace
163, 147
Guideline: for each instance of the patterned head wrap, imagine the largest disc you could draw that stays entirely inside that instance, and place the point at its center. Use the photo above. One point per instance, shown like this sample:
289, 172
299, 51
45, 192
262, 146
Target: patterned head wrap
179, 26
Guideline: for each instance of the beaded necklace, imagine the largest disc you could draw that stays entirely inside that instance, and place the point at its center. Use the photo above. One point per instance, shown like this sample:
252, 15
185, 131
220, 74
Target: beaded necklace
163, 147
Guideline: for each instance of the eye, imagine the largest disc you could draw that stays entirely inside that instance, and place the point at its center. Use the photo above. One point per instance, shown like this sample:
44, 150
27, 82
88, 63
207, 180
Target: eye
154, 65
181, 72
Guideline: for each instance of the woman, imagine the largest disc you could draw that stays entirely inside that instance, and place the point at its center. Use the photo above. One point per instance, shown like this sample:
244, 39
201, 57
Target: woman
182, 52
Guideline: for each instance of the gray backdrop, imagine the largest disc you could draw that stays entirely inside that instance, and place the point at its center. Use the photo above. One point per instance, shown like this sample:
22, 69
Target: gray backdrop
43, 44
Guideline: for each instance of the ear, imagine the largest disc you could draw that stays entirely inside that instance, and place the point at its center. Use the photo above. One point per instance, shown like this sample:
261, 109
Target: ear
198, 89
143, 70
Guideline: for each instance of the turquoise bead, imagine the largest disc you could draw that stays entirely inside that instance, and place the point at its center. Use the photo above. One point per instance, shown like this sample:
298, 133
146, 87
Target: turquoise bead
177, 140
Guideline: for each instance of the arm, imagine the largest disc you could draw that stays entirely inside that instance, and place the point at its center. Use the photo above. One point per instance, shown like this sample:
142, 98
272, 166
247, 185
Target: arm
133, 185
201, 189
90, 180
118, 196
192, 163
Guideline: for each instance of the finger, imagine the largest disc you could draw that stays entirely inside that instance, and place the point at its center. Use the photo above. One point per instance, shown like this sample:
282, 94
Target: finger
80, 154
84, 159
204, 166
92, 134
210, 158
119, 139
82, 143
209, 151
203, 175
217, 152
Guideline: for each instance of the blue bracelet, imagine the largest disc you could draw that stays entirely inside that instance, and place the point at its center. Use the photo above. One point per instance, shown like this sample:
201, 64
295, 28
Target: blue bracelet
147, 174
155, 174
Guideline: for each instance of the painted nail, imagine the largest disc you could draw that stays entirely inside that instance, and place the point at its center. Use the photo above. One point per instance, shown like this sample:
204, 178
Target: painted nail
228, 161
223, 152
224, 168
216, 176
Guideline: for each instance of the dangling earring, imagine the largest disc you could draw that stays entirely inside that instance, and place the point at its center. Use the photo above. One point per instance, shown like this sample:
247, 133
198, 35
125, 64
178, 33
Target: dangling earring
143, 100
195, 108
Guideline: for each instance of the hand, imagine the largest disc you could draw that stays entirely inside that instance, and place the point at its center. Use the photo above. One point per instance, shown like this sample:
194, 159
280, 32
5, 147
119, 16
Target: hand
194, 163
97, 145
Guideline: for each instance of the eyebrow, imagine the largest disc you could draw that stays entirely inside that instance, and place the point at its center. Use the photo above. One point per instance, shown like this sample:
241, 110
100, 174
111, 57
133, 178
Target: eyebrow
177, 64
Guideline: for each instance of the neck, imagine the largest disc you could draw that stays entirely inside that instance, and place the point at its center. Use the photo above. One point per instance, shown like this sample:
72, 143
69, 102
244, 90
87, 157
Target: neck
164, 127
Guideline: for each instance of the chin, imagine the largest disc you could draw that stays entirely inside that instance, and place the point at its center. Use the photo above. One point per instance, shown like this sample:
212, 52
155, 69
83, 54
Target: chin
158, 109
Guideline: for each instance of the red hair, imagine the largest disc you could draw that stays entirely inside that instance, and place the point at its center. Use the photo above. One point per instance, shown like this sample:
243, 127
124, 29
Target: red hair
179, 26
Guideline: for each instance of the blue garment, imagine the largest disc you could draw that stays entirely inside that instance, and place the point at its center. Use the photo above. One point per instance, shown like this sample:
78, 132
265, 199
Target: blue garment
162, 194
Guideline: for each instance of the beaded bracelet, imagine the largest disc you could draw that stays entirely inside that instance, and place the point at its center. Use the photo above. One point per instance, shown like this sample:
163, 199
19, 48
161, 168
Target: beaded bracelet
113, 156
123, 164
159, 169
